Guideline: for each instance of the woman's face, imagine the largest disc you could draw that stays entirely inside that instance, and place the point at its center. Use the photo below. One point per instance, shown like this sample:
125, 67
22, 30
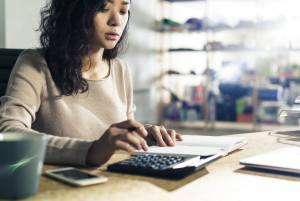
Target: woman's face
110, 23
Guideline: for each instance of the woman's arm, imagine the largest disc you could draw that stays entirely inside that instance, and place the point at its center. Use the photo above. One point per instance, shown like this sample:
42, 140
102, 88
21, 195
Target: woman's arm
25, 94
155, 133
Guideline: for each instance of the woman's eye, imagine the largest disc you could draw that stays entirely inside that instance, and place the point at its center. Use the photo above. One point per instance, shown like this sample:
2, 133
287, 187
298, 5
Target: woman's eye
124, 12
104, 10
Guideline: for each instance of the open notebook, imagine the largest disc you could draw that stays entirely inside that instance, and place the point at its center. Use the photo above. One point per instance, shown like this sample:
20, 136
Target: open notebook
198, 146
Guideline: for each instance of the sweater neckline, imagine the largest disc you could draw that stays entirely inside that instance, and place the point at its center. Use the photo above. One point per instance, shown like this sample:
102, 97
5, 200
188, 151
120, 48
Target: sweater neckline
102, 79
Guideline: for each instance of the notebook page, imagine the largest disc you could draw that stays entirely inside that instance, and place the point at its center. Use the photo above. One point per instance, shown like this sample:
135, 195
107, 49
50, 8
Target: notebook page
180, 151
226, 143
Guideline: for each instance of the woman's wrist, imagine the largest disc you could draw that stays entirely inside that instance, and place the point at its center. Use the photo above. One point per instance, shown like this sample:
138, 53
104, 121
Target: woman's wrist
89, 156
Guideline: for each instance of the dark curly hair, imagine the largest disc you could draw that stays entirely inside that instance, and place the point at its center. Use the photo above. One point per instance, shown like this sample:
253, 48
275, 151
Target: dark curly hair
65, 36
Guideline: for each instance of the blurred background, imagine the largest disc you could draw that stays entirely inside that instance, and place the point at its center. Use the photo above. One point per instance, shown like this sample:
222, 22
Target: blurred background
208, 67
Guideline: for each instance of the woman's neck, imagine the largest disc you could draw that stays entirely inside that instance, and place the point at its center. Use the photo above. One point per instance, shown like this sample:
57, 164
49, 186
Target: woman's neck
96, 67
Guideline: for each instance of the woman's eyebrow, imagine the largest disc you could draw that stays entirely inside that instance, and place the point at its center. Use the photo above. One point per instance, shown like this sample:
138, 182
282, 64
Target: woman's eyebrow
123, 3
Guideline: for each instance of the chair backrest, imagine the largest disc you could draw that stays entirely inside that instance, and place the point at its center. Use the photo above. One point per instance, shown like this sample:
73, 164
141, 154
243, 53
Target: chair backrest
8, 58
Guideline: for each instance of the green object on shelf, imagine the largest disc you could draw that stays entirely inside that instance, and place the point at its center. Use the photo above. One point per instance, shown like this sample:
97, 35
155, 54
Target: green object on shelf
240, 105
170, 22
239, 110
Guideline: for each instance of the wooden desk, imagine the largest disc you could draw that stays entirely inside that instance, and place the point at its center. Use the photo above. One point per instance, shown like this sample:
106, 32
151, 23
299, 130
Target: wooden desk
224, 179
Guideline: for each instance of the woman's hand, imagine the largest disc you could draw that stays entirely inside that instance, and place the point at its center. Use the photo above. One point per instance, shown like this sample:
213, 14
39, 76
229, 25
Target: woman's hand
161, 135
117, 137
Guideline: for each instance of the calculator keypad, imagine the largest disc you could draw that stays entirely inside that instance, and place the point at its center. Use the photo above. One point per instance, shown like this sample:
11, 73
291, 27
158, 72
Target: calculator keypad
162, 165
152, 161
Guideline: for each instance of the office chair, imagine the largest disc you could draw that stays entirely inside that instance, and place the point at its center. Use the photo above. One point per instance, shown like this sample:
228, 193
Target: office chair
8, 58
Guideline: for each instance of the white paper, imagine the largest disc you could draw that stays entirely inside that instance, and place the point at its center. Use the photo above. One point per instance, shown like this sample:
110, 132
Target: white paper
198, 146
181, 151
226, 143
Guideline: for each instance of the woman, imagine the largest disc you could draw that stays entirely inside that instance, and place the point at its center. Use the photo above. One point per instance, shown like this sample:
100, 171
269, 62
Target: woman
75, 90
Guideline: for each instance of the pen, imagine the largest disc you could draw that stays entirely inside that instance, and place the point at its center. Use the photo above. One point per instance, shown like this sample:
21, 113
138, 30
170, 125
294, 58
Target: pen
133, 128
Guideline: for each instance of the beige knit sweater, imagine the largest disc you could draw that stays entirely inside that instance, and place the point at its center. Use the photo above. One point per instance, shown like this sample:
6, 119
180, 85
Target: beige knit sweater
32, 104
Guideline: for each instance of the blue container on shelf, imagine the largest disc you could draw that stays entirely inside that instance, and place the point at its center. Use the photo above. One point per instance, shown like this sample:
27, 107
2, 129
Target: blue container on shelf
269, 94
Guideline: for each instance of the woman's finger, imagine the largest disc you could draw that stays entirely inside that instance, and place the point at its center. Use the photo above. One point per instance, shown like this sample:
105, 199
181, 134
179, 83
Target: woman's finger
131, 139
130, 124
166, 136
142, 141
115, 131
179, 137
124, 145
172, 133
155, 132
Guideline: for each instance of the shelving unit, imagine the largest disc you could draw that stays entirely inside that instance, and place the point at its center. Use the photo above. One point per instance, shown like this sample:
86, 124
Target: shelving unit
162, 51
210, 33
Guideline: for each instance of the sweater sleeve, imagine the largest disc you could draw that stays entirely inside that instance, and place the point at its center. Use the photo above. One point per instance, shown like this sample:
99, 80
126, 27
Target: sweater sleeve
24, 96
131, 108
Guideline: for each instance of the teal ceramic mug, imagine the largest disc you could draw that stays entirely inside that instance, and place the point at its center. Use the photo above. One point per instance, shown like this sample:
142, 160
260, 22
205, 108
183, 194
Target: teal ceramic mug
21, 161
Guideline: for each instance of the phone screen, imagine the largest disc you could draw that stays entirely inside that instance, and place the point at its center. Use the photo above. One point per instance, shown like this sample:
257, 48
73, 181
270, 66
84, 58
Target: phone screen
74, 174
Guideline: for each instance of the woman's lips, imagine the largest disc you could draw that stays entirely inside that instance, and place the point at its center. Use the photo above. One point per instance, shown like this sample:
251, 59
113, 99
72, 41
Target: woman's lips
111, 36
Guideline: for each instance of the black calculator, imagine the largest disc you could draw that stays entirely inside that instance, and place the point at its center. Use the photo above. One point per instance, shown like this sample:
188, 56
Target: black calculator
162, 165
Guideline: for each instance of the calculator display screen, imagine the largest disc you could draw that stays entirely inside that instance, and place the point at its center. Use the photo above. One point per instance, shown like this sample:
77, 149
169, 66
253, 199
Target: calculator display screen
74, 174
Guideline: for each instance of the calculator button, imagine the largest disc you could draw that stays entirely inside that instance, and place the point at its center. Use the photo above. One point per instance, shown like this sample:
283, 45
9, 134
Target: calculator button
169, 162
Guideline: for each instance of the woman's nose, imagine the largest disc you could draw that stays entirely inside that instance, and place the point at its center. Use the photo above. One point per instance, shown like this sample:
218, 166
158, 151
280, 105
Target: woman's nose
115, 19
